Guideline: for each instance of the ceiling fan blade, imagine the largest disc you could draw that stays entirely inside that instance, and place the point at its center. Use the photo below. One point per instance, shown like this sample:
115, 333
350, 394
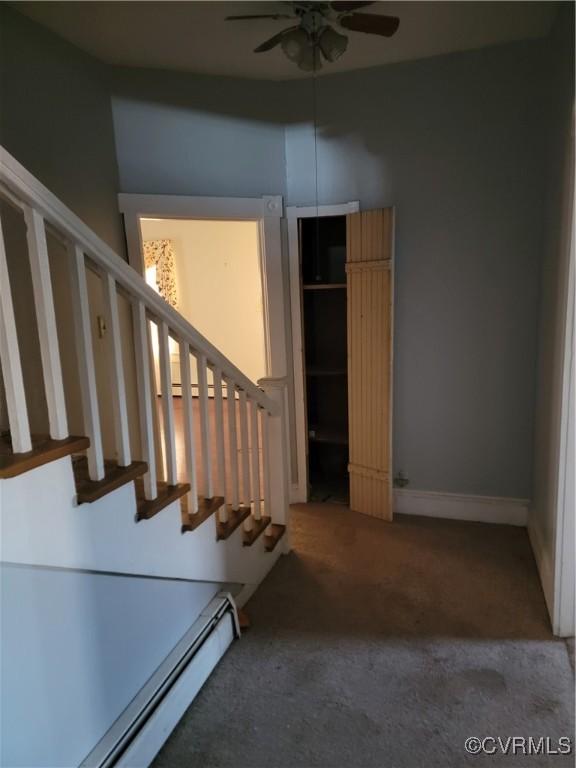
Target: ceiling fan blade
272, 42
371, 24
343, 7
266, 16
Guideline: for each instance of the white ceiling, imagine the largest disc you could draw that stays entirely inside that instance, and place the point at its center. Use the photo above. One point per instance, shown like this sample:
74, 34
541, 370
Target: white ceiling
194, 37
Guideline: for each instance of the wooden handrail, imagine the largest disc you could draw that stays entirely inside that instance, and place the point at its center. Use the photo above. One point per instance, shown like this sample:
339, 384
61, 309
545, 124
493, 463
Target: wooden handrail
26, 191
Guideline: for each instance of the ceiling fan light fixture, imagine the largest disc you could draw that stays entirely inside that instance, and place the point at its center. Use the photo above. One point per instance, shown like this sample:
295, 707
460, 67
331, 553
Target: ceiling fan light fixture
295, 43
313, 37
332, 43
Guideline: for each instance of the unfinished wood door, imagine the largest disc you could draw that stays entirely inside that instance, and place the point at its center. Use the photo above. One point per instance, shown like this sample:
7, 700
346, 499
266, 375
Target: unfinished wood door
369, 279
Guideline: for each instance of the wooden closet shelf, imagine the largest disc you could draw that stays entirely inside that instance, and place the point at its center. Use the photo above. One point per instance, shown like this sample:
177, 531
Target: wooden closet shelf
323, 286
313, 371
323, 435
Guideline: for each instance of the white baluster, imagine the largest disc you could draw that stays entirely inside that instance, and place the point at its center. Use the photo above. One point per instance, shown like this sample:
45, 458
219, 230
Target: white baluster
204, 425
188, 426
167, 405
264, 423
255, 463
156, 391
278, 453
116, 365
11, 366
220, 449
46, 317
232, 443
85, 355
145, 399
244, 449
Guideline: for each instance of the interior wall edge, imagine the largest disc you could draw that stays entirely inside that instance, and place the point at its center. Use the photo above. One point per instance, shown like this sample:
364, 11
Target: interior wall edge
544, 563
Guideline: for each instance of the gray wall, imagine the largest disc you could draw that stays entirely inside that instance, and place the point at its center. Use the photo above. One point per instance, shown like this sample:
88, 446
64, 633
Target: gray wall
559, 211
196, 135
456, 143
56, 119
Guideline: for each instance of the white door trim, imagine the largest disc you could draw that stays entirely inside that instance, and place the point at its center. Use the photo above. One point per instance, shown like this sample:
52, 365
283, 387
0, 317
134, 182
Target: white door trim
266, 210
293, 213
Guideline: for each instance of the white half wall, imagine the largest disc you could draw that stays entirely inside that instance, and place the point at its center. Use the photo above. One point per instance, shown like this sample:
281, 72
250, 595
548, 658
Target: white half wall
41, 525
75, 649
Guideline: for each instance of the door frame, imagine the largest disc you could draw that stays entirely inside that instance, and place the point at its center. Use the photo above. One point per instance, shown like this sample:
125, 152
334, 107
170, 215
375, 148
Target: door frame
267, 211
293, 213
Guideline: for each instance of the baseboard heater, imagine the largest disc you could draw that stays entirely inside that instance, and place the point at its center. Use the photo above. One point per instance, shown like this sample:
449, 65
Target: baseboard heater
138, 734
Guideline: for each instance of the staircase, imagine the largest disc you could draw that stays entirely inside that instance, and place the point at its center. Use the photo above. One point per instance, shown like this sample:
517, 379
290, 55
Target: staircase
161, 502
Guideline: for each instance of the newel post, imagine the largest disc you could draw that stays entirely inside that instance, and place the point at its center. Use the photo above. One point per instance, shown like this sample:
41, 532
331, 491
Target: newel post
276, 389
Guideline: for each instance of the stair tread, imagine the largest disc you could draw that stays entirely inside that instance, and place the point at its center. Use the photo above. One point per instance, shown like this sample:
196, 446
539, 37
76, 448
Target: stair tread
115, 477
206, 508
44, 450
235, 517
166, 494
258, 527
272, 538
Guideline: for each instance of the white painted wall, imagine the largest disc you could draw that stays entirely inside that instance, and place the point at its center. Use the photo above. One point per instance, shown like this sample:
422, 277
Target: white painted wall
555, 342
75, 649
219, 284
103, 535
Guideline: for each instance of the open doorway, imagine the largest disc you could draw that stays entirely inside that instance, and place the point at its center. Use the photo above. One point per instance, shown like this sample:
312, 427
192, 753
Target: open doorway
209, 270
322, 243
317, 253
264, 215
237, 304
205, 269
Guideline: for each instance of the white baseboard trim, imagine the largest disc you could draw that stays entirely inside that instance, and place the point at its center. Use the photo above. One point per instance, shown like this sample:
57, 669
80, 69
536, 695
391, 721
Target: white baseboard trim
457, 506
138, 734
545, 567
150, 740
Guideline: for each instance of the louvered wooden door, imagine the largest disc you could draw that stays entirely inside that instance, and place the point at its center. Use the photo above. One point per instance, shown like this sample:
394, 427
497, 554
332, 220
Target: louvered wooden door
369, 277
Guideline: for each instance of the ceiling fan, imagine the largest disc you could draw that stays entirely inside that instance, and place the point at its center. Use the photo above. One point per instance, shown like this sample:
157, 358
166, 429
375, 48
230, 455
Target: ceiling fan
314, 37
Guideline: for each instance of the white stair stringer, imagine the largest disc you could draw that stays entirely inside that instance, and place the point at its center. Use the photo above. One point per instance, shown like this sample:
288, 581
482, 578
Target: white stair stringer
41, 524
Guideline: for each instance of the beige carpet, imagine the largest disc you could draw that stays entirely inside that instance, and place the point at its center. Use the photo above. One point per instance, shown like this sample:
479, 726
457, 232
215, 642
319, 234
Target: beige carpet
376, 644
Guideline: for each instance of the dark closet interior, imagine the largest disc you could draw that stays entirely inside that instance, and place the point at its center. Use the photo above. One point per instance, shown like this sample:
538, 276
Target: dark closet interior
323, 275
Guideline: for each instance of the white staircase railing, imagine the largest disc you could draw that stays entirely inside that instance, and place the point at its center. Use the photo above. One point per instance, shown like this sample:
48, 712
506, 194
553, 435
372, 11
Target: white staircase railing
260, 409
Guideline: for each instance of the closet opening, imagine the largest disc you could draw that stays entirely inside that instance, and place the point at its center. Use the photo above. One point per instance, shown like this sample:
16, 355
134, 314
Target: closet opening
322, 245
341, 292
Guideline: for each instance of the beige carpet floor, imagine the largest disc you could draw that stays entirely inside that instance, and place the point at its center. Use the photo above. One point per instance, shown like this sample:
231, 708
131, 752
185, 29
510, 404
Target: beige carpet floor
385, 645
